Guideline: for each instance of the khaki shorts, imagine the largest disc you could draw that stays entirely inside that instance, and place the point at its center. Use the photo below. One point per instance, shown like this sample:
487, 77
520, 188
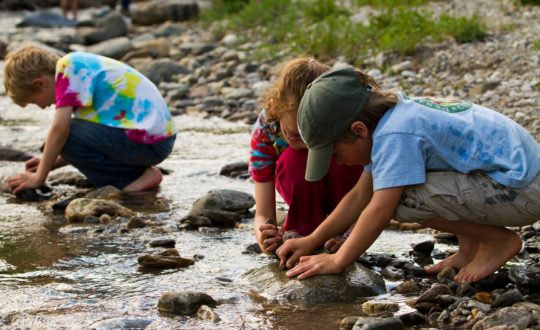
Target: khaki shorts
472, 197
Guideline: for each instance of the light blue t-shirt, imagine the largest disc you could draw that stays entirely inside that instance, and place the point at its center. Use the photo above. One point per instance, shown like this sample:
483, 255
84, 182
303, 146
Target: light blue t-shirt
426, 134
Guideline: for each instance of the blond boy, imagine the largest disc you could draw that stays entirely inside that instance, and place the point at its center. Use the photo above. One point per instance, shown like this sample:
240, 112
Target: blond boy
110, 122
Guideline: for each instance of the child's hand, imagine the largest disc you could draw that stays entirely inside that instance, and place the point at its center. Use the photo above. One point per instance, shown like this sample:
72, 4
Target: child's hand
313, 265
333, 244
292, 249
32, 164
24, 181
270, 237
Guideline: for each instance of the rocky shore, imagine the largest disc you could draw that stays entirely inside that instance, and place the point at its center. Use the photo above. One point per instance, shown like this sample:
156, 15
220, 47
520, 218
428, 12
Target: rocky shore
205, 76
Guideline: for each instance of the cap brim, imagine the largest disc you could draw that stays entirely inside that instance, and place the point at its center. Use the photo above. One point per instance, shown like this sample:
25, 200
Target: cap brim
318, 162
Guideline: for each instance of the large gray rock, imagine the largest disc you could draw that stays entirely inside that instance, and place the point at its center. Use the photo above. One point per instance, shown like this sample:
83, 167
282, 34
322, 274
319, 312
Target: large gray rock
79, 208
162, 70
221, 207
357, 281
159, 11
111, 26
46, 19
113, 48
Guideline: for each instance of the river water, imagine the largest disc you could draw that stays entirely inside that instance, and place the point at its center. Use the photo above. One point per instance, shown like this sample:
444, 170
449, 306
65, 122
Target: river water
55, 275
58, 275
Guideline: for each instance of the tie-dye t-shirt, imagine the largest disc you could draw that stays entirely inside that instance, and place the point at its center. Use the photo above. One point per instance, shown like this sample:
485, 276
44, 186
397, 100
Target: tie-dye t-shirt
109, 92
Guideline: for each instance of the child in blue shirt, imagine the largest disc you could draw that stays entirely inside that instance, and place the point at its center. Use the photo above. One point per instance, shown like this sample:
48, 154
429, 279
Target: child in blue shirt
449, 165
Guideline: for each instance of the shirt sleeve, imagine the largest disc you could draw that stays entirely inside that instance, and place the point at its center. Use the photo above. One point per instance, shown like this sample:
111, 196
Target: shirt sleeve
74, 83
262, 161
398, 160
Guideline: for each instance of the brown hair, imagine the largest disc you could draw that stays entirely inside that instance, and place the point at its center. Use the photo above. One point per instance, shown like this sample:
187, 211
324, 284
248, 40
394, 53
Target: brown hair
380, 100
22, 66
290, 86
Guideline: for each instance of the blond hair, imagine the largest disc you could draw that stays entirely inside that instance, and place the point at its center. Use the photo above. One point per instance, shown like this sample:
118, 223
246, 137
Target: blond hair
22, 66
380, 100
290, 86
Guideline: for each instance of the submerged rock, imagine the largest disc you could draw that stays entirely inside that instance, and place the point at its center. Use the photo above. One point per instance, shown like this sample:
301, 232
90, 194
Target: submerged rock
166, 243
235, 170
206, 313
14, 155
169, 258
121, 323
79, 208
62, 204
357, 281
34, 195
218, 208
184, 302
137, 222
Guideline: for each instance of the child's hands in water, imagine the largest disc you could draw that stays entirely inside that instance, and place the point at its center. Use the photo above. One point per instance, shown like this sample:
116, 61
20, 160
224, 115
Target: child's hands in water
270, 237
24, 181
313, 265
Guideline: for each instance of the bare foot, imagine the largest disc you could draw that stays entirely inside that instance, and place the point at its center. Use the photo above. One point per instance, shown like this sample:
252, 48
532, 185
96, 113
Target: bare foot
151, 178
491, 255
457, 260
465, 254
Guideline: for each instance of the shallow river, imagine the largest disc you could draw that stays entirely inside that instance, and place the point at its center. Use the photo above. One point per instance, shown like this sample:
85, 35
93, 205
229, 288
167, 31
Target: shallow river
55, 275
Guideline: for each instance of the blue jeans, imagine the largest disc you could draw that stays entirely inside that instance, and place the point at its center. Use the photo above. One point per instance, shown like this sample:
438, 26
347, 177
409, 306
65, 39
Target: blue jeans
107, 157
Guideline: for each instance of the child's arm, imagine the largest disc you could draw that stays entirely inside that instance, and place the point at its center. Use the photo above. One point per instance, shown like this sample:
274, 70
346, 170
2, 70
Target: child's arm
268, 235
369, 226
54, 143
32, 164
343, 216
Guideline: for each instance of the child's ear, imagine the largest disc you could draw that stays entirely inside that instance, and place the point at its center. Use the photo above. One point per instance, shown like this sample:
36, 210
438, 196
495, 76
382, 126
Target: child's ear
39, 82
360, 129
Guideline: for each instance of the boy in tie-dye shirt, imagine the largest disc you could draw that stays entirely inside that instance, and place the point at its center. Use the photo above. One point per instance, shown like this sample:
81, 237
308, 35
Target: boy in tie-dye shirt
111, 122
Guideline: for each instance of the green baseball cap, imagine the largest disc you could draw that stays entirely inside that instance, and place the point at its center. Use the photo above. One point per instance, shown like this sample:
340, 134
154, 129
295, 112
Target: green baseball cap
328, 108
